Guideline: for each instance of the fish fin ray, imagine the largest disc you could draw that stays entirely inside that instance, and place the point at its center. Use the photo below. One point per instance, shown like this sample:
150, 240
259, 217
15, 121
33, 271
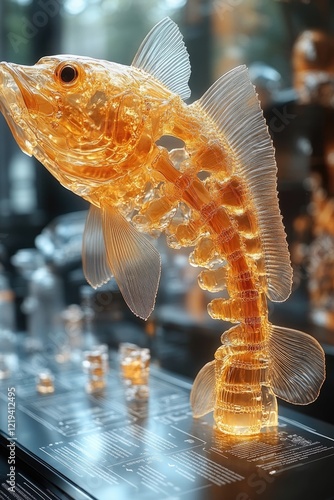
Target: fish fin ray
134, 261
94, 258
202, 396
233, 105
164, 55
297, 368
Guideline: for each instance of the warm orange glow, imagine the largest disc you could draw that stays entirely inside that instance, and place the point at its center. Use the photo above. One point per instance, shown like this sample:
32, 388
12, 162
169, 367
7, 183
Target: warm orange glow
98, 136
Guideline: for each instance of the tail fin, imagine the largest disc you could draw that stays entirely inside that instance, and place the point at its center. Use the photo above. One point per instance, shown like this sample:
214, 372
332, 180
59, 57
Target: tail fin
297, 369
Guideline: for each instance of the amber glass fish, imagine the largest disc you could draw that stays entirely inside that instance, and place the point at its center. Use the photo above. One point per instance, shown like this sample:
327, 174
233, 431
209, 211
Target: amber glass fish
95, 125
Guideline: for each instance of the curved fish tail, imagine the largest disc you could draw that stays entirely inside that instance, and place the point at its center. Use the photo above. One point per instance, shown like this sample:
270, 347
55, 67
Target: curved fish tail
296, 371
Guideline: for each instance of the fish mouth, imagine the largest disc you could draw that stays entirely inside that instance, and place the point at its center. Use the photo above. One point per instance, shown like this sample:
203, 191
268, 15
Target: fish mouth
14, 109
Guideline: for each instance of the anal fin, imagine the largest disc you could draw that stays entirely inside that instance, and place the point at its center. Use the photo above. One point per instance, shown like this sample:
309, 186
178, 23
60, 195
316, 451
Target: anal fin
297, 368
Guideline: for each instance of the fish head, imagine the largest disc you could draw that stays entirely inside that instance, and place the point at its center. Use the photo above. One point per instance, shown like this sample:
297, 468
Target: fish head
13, 108
60, 111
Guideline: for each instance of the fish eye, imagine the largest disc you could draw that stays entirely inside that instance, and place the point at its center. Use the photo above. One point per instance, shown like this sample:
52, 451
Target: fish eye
67, 73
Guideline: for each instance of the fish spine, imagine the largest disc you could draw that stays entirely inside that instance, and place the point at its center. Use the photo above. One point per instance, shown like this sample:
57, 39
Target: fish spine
224, 232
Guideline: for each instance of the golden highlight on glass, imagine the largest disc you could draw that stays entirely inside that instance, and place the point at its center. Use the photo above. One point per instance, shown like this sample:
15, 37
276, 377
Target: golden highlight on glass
95, 125
95, 365
135, 370
45, 382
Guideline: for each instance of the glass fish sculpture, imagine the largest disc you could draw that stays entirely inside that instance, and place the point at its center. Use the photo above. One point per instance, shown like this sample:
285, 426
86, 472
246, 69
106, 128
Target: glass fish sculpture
95, 125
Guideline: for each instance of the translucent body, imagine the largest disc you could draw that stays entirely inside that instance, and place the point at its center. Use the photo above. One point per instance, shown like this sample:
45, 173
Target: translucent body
96, 125
244, 401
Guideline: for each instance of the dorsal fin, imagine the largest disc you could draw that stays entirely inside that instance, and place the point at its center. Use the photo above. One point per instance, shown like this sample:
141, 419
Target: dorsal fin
164, 55
233, 105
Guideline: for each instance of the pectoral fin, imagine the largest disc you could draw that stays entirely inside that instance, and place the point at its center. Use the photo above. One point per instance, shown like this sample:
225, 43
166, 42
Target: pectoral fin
297, 369
202, 396
94, 258
133, 260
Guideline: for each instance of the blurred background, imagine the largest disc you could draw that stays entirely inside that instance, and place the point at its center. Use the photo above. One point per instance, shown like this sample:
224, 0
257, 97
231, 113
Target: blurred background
289, 49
